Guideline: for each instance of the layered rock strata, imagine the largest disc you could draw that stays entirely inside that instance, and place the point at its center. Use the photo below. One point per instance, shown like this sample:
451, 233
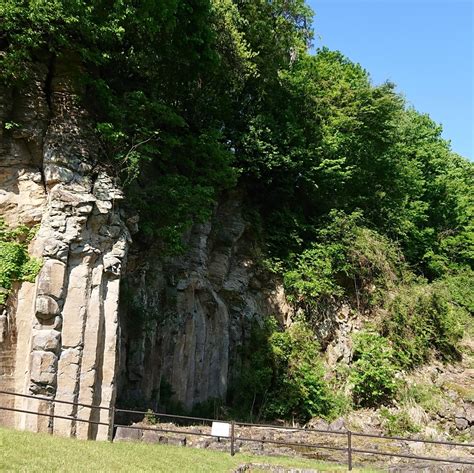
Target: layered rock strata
59, 336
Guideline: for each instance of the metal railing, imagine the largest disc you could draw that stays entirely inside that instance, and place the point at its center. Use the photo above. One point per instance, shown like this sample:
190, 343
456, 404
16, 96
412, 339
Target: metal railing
348, 447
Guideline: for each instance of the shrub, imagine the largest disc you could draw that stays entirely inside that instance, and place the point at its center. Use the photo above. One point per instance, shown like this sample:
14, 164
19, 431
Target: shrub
375, 265
313, 276
398, 423
424, 321
300, 390
150, 418
459, 287
428, 396
347, 259
248, 394
15, 263
373, 370
283, 376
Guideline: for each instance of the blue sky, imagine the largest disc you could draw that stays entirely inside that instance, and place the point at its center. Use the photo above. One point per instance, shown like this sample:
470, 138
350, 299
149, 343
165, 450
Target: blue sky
426, 47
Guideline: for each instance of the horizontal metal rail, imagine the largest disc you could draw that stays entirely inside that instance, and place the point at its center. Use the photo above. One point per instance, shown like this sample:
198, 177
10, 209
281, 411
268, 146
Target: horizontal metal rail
158, 429
158, 414
294, 429
41, 398
54, 416
291, 444
415, 457
406, 439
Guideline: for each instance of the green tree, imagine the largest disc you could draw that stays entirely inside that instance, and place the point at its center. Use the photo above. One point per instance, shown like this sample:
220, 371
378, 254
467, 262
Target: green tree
373, 370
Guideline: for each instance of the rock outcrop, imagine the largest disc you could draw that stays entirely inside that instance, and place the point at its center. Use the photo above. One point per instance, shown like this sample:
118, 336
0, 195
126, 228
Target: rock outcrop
110, 321
182, 319
60, 336
109, 318
188, 317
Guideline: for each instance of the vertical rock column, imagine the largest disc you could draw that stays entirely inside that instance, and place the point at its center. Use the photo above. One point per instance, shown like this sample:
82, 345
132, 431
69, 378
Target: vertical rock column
74, 345
22, 199
83, 243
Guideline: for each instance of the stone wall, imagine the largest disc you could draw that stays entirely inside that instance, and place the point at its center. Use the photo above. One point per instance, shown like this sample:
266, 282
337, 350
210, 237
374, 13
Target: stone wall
59, 336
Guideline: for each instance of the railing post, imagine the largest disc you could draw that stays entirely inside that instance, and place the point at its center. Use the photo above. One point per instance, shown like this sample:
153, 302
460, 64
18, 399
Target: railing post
51, 417
111, 424
232, 438
349, 450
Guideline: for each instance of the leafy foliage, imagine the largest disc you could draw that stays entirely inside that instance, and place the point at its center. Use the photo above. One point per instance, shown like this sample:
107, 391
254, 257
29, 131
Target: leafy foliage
399, 423
189, 95
423, 322
347, 259
373, 370
283, 376
15, 263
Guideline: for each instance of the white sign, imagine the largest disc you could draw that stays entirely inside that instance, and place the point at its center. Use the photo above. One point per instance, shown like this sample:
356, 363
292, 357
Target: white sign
220, 429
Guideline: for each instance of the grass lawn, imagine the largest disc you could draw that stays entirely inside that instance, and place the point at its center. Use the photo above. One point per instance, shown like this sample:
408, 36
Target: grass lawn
29, 452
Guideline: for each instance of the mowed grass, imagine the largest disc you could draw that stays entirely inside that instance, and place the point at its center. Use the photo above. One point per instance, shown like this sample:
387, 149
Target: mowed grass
30, 452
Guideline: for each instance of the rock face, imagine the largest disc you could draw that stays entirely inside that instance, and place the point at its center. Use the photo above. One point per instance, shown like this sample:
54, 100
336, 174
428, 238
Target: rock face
59, 336
187, 317
182, 320
107, 318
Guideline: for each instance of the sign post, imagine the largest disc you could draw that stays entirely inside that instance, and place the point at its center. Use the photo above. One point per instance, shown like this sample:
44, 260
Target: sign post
232, 438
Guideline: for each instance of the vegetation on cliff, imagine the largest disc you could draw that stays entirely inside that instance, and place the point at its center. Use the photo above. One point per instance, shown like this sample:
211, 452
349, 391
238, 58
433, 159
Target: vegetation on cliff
15, 262
358, 197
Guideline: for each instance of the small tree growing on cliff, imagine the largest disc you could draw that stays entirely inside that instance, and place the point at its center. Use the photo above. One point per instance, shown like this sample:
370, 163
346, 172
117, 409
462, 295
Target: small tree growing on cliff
373, 371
